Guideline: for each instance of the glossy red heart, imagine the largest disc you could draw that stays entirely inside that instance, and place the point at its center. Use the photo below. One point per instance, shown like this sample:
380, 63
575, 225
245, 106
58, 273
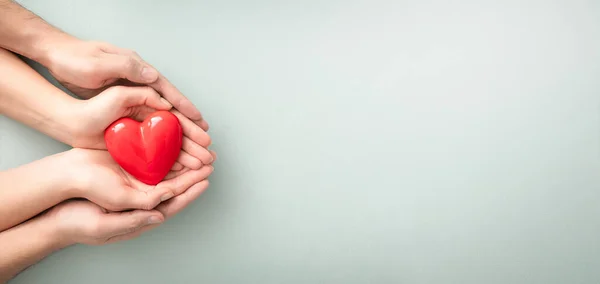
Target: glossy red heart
148, 149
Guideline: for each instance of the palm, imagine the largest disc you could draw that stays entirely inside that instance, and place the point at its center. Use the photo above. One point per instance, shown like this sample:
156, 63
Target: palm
108, 171
88, 223
113, 175
99, 170
91, 133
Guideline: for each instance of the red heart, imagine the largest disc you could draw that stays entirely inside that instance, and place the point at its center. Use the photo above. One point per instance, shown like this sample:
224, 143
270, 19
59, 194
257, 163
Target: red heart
146, 150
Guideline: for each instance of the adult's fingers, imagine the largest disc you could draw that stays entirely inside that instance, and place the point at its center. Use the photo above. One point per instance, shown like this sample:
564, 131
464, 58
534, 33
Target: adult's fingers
194, 143
178, 100
195, 140
142, 72
121, 223
109, 48
183, 182
189, 161
178, 203
171, 207
131, 198
140, 113
203, 124
126, 66
141, 96
196, 151
177, 167
128, 236
213, 154
192, 131
172, 174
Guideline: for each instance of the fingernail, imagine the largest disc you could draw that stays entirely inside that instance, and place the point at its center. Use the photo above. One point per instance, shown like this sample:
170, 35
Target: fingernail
154, 220
149, 74
167, 103
167, 196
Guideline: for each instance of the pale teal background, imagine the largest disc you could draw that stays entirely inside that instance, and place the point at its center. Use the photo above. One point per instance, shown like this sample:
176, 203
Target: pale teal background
363, 141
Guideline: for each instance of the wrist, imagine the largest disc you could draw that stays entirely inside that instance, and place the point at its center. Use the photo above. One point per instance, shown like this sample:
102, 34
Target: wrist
48, 50
66, 175
41, 234
78, 178
38, 42
25, 33
56, 238
29, 98
66, 119
51, 232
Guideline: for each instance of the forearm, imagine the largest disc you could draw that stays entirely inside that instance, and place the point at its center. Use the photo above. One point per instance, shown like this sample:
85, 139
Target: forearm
27, 97
32, 188
26, 244
23, 32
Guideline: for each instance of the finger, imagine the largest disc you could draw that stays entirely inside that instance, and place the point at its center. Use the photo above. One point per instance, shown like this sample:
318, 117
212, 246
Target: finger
181, 183
145, 73
214, 155
196, 151
173, 174
127, 66
140, 113
175, 205
120, 223
203, 124
189, 161
131, 198
126, 237
172, 207
176, 167
176, 98
142, 96
193, 131
109, 48
129, 236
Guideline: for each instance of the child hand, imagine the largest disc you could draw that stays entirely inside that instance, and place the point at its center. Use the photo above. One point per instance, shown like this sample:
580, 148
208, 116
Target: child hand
98, 178
91, 118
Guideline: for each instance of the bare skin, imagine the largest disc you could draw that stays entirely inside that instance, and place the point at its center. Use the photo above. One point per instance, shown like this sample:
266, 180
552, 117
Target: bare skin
82, 173
81, 195
82, 222
27, 97
84, 67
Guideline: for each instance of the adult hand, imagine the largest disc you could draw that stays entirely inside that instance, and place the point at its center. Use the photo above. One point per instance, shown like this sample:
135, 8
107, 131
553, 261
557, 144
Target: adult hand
98, 178
88, 67
91, 117
169, 209
83, 222
80, 221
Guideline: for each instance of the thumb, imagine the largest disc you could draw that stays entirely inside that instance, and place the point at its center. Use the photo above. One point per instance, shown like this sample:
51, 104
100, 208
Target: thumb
128, 67
119, 223
139, 96
132, 198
